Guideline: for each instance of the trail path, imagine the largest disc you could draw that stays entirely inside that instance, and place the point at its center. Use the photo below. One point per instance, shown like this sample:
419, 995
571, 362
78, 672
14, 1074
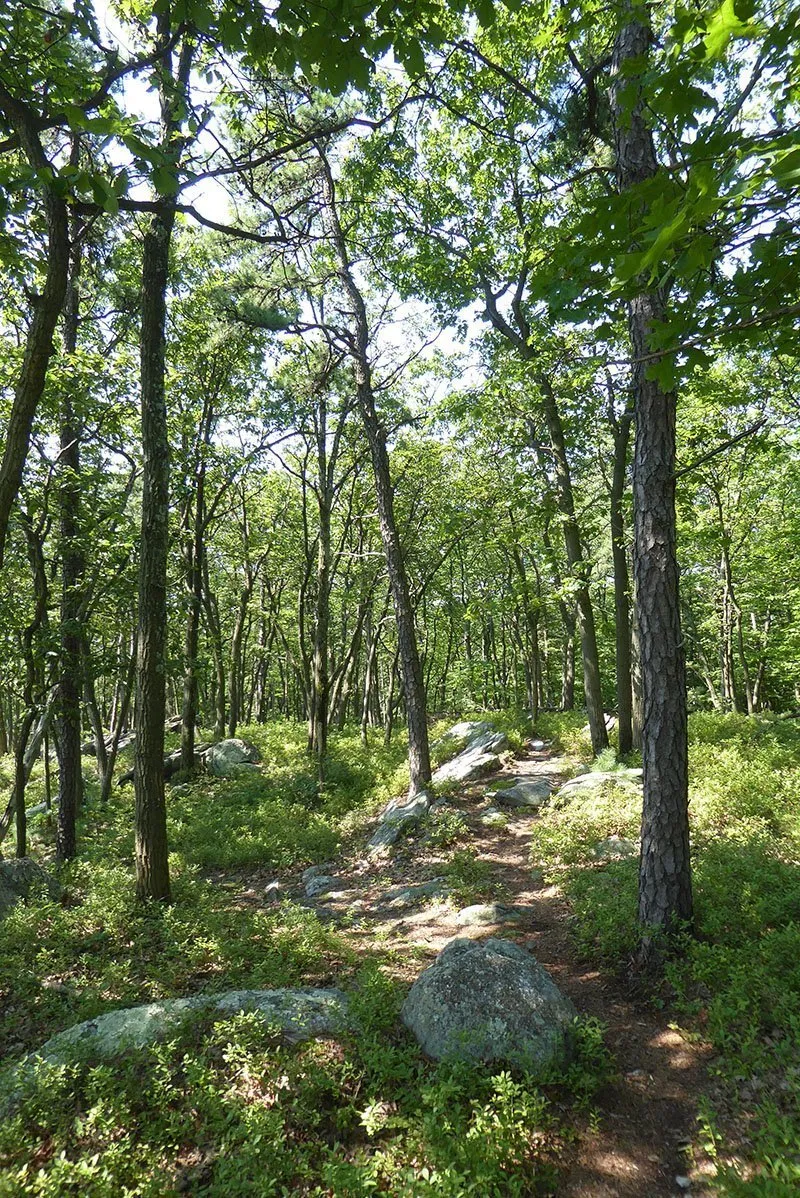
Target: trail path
648, 1113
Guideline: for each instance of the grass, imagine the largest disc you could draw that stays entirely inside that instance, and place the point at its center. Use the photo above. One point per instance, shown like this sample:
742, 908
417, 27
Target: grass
738, 981
221, 1110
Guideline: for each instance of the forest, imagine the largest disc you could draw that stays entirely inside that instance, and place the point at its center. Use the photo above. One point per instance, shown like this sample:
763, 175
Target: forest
399, 598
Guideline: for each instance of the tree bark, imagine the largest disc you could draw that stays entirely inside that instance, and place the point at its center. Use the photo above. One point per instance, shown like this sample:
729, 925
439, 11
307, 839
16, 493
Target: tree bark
665, 888
622, 605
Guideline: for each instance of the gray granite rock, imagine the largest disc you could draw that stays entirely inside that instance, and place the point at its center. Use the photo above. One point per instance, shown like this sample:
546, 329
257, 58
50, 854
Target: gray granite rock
232, 757
398, 897
321, 884
493, 818
615, 848
487, 913
295, 1016
490, 1001
399, 817
476, 758
629, 779
21, 879
532, 792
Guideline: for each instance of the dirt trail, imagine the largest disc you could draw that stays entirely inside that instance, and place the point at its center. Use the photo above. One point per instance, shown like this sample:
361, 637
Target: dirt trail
648, 1113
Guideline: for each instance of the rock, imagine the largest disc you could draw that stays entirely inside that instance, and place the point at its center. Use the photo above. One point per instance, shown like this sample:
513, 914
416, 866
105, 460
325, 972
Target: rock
478, 756
20, 878
314, 871
683, 1183
531, 793
462, 733
537, 745
398, 897
321, 884
492, 818
398, 817
625, 779
296, 1015
487, 913
490, 1001
615, 848
232, 757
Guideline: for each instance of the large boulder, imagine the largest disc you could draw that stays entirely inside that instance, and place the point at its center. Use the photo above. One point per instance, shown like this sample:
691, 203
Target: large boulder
20, 878
490, 1000
232, 757
477, 757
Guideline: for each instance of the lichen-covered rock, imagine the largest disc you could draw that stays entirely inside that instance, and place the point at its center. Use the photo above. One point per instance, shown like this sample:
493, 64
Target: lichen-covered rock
321, 884
490, 1001
526, 792
492, 818
629, 781
232, 757
294, 1016
396, 898
399, 817
616, 848
480, 914
20, 879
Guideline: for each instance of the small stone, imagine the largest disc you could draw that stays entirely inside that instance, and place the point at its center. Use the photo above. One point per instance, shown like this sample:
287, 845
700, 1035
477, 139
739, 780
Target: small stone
486, 913
321, 884
683, 1183
492, 818
313, 871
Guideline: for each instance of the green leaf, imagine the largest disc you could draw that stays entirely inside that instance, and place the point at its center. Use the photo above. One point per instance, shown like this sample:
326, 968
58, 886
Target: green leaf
165, 181
724, 25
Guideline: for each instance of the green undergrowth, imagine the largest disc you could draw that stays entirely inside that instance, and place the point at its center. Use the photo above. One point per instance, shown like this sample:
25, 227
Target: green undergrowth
223, 1110
738, 981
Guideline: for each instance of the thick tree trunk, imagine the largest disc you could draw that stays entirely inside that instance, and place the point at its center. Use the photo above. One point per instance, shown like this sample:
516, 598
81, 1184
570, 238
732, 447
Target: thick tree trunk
152, 870
665, 889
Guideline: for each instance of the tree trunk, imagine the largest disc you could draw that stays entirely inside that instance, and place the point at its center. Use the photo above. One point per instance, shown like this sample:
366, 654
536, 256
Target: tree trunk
578, 568
46, 312
152, 869
416, 714
70, 682
622, 605
665, 887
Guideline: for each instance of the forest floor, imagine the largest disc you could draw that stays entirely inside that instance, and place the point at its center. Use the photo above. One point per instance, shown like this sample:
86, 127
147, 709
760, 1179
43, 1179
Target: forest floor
644, 1142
